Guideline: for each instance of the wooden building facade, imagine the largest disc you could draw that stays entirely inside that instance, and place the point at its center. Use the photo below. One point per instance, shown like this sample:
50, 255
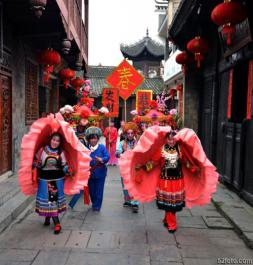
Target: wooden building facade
24, 97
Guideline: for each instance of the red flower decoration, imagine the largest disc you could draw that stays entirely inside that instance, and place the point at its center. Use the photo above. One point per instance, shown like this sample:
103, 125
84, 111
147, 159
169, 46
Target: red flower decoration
153, 104
84, 114
170, 118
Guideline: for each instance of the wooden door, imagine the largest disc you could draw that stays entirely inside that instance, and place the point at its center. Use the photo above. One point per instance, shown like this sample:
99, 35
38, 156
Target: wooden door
5, 124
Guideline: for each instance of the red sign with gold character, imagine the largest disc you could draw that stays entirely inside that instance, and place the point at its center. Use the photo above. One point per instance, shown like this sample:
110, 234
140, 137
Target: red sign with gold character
110, 100
126, 79
143, 98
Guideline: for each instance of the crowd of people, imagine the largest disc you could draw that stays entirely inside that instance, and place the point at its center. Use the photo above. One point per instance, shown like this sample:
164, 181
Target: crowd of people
156, 163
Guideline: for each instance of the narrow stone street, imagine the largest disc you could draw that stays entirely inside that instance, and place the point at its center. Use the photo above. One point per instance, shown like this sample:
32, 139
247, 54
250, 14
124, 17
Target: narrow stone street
117, 236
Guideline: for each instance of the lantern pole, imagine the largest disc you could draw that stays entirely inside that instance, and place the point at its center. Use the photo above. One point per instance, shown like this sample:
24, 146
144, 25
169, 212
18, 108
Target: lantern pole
125, 110
109, 134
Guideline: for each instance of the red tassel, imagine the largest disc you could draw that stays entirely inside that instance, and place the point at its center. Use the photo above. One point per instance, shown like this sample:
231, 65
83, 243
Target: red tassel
250, 89
86, 195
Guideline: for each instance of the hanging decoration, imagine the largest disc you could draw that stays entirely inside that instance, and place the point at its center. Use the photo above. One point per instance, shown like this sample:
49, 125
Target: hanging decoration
38, 7
143, 97
110, 100
227, 15
77, 83
49, 58
198, 46
66, 75
230, 94
250, 90
126, 78
184, 58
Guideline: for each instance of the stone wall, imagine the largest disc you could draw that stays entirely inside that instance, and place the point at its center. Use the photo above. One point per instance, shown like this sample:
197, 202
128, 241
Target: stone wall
191, 101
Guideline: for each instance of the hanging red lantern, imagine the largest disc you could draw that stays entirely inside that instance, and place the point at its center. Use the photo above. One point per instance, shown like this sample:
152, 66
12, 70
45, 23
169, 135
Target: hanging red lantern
198, 46
184, 58
227, 15
49, 58
77, 83
66, 75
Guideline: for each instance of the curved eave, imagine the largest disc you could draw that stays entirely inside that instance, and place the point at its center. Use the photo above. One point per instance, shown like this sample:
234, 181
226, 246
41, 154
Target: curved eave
141, 55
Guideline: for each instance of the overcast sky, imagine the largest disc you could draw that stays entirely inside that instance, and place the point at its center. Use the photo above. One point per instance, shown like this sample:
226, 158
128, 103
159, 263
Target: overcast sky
112, 22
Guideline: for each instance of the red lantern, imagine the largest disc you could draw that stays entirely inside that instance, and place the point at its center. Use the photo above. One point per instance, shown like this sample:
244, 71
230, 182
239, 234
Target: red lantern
77, 83
227, 15
184, 58
66, 75
198, 46
49, 58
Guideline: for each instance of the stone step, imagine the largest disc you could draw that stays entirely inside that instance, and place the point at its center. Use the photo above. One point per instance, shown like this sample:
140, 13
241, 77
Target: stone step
8, 189
12, 208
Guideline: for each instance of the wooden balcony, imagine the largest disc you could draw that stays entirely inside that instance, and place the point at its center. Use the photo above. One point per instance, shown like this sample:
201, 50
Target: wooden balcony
72, 18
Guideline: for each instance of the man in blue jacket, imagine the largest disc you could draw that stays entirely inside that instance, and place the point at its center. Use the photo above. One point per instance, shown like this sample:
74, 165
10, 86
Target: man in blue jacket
100, 157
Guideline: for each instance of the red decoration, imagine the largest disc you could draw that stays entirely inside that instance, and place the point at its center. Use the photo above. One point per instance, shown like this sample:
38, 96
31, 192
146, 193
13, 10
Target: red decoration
88, 102
125, 78
179, 88
172, 93
184, 58
153, 104
143, 97
84, 114
110, 100
198, 46
230, 93
66, 75
77, 83
49, 58
250, 90
227, 15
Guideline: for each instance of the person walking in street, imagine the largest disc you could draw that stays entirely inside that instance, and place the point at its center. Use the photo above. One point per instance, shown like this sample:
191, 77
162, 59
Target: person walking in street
111, 135
170, 167
59, 167
130, 130
98, 170
52, 167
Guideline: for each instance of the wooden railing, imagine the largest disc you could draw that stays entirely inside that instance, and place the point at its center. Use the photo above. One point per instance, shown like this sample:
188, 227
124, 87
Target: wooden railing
72, 13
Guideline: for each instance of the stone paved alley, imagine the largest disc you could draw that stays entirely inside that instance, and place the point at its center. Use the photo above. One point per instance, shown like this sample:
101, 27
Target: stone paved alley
116, 236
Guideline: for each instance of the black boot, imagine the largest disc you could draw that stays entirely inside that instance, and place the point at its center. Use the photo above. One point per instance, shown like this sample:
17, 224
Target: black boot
57, 228
47, 221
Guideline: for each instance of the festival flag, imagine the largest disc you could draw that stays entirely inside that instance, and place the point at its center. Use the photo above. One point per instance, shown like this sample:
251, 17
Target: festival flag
126, 78
143, 98
110, 100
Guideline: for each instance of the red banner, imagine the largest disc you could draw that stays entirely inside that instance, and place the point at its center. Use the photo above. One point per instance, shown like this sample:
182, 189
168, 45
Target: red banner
110, 100
230, 93
250, 91
125, 78
142, 100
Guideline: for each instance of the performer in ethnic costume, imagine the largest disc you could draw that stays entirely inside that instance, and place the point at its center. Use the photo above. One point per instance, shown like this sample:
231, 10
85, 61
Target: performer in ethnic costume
100, 157
130, 130
170, 189
59, 167
111, 135
171, 168
52, 165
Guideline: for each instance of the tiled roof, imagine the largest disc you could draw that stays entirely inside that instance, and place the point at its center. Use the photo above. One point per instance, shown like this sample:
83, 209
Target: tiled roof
134, 50
97, 75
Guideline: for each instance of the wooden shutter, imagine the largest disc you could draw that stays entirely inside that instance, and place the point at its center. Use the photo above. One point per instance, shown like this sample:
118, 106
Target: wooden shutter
31, 92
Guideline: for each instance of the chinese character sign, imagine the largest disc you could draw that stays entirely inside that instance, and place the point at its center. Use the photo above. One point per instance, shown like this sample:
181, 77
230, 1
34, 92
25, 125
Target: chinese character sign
110, 100
143, 98
126, 79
